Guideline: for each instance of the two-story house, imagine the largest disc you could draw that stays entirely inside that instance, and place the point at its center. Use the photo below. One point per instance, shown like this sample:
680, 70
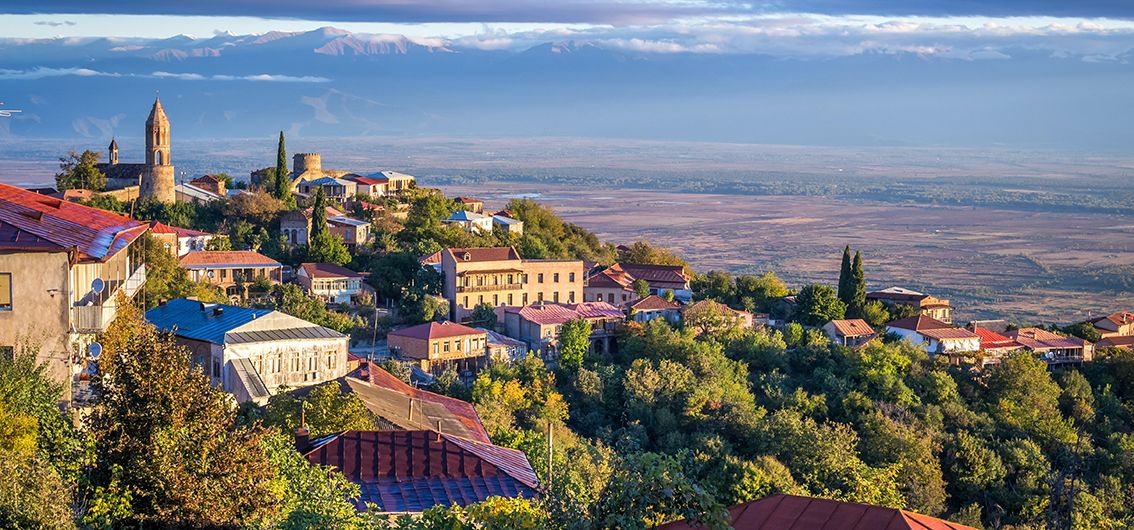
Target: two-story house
499, 277
329, 282
232, 270
435, 346
538, 324
62, 267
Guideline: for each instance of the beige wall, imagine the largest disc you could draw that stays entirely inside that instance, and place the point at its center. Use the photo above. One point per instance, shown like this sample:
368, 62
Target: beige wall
614, 296
40, 305
531, 281
435, 353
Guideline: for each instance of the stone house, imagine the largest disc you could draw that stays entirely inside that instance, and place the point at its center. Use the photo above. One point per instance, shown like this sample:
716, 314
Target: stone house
614, 284
62, 267
935, 336
851, 333
654, 307
251, 353
331, 283
930, 306
295, 225
499, 277
538, 324
232, 270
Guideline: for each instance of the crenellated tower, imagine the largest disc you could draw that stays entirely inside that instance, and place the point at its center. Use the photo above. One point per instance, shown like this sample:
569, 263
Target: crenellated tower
158, 179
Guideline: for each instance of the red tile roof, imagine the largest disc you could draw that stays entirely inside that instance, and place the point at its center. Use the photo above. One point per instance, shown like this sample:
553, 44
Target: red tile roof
855, 327
1120, 318
610, 279
227, 258
162, 228
369, 181
1036, 339
436, 330
437, 407
432, 259
1116, 342
468, 200
790, 512
553, 314
991, 340
328, 270
96, 234
412, 471
932, 328
654, 303
469, 255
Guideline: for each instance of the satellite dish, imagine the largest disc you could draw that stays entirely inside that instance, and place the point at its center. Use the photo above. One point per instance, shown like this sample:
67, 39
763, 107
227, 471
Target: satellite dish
95, 349
97, 285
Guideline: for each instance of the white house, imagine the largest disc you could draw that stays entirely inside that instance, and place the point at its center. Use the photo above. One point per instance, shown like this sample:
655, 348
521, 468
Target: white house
251, 353
471, 221
934, 335
330, 282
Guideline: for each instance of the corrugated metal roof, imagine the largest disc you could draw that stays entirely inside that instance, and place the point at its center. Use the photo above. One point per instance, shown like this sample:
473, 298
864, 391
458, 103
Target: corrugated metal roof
199, 321
226, 258
790, 512
391, 399
97, 234
435, 330
411, 471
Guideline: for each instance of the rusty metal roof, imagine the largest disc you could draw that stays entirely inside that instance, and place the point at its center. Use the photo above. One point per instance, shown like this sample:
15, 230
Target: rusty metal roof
392, 399
790, 512
96, 234
412, 471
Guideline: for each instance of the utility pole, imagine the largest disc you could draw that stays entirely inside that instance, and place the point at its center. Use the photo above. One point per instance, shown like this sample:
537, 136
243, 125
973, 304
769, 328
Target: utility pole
550, 444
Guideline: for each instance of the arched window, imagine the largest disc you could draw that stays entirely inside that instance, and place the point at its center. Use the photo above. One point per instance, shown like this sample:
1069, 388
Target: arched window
160, 159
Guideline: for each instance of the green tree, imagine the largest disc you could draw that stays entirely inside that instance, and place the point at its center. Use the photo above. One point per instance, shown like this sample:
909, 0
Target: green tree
857, 288
311, 496
641, 288
80, 171
484, 315
168, 439
765, 290
281, 184
875, 313
649, 489
324, 247
106, 202
325, 408
1025, 401
845, 281
291, 299
817, 304
574, 342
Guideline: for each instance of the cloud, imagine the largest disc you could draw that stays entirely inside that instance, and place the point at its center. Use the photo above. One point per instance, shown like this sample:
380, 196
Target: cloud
42, 72
620, 12
54, 23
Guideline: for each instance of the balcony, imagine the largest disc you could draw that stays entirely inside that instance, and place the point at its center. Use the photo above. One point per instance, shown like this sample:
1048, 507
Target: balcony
93, 315
489, 288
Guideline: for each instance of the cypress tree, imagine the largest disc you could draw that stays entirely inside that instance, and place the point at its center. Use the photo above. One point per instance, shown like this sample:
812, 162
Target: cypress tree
281, 187
857, 287
319, 214
845, 286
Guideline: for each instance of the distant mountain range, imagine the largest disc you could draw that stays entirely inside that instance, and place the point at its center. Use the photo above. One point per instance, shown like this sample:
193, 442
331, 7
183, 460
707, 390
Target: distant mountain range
331, 82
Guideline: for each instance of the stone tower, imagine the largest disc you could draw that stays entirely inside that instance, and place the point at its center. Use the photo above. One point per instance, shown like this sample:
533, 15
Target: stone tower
157, 181
113, 152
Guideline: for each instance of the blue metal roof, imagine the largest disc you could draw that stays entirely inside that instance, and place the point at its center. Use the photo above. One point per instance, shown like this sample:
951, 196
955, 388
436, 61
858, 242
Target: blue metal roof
195, 320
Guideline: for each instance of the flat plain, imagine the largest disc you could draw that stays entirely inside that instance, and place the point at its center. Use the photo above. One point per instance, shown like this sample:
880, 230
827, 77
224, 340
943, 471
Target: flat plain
1028, 266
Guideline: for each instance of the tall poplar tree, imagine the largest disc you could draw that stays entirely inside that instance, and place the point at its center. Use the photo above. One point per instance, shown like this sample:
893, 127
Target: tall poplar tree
857, 287
281, 186
844, 291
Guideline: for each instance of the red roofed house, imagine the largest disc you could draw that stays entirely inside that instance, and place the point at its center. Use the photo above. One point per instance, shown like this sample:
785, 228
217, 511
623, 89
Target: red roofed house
437, 345
497, 276
331, 283
1125, 343
930, 306
851, 333
232, 270
211, 184
372, 186
62, 266
538, 324
654, 307
471, 204
791, 512
411, 471
1053, 348
994, 345
613, 284
934, 335
1119, 324
180, 241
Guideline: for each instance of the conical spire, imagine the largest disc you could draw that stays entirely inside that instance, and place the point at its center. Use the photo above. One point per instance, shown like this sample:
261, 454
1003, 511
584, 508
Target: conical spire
113, 144
157, 114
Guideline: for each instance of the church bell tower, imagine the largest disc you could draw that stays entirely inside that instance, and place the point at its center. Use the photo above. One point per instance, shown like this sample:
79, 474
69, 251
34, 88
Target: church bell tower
157, 181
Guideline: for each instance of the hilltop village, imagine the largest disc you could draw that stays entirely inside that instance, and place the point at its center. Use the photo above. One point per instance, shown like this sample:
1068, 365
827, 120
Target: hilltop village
328, 348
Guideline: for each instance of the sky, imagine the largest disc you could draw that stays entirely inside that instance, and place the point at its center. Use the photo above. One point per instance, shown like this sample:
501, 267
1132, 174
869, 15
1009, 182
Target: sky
1095, 29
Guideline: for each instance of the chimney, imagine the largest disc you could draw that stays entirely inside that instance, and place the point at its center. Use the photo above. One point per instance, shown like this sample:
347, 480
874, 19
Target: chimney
217, 311
302, 435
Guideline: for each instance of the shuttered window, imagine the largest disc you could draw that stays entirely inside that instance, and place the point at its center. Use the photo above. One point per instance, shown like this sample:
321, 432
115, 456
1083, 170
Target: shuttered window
5, 291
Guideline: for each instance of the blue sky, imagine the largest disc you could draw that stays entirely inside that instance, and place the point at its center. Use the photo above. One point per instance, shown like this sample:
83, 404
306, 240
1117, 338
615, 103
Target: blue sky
1095, 30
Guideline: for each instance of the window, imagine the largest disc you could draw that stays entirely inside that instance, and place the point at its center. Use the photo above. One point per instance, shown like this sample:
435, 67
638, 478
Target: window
5, 291
539, 278
571, 277
555, 297
509, 298
495, 300
510, 279
436, 347
458, 344
539, 296
598, 297
555, 277
525, 298
625, 297
216, 368
466, 281
466, 302
480, 299
571, 297
446, 346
